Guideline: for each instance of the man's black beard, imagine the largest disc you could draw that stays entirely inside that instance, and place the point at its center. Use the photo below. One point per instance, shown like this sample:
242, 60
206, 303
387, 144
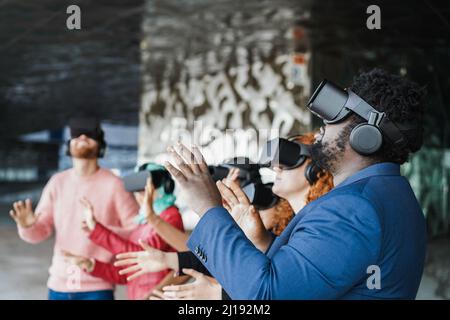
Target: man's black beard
328, 155
323, 155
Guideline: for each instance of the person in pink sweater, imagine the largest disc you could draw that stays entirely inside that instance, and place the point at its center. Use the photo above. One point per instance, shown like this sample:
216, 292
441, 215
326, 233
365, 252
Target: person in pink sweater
60, 211
157, 205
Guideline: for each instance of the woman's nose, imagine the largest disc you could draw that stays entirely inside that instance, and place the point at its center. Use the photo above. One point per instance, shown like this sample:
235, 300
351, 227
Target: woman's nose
277, 169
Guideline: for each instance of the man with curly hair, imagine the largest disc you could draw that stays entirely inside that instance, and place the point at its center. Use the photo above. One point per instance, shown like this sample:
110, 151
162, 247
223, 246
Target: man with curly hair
365, 239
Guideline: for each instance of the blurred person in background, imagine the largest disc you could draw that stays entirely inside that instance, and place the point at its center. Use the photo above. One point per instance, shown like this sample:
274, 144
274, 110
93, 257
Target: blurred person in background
155, 204
60, 210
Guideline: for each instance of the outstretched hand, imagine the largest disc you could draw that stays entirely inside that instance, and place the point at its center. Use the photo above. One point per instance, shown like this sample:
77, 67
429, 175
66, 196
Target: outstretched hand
148, 202
84, 263
23, 214
203, 288
245, 214
89, 221
142, 262
232, 177
192, 174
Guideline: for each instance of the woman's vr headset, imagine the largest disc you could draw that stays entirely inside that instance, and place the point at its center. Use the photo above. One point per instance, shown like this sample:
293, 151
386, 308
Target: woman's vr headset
136, 182
287, 154
280, 152
333, 104
261, 195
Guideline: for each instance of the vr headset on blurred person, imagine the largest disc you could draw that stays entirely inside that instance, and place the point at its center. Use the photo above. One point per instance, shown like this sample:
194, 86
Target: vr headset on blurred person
136, 182
333, 104
288, 154
218, 172
91, 128
248, 171
261, 195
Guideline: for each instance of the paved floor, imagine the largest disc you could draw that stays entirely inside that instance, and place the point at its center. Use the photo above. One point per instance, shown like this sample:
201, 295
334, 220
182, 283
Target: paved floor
23, 268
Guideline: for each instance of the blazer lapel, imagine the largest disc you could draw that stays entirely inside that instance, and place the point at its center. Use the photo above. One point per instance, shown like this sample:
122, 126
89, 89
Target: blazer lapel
283, 238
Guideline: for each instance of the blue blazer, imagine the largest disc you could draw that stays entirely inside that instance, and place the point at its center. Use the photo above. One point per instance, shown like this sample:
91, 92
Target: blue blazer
365, 239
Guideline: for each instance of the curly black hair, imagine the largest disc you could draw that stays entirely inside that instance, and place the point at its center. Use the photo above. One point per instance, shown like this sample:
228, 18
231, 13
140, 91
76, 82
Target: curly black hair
401, 100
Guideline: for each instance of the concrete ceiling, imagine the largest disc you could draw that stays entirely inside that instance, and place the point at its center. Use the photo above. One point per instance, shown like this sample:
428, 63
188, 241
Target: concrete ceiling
48, 73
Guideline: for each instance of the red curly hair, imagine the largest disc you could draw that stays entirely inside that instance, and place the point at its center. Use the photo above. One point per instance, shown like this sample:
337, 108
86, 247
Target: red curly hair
283, 211
324, 183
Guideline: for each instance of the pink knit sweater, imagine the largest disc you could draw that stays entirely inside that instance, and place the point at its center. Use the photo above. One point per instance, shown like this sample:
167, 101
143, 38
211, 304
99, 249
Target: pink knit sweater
59, 209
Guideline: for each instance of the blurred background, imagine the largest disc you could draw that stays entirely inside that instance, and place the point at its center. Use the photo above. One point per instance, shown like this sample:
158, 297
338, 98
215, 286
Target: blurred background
157, 70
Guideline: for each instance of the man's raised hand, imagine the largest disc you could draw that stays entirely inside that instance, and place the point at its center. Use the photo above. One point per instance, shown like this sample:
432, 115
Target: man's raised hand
23, 214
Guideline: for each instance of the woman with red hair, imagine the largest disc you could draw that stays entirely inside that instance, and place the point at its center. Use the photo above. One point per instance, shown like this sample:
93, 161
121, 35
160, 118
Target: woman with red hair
293, 184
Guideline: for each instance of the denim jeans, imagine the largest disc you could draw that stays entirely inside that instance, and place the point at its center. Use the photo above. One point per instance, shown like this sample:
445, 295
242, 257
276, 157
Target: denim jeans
91, 295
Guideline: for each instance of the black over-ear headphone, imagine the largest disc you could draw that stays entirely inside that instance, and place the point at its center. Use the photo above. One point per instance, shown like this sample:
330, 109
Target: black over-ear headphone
366, 138
312, 170
333, 104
